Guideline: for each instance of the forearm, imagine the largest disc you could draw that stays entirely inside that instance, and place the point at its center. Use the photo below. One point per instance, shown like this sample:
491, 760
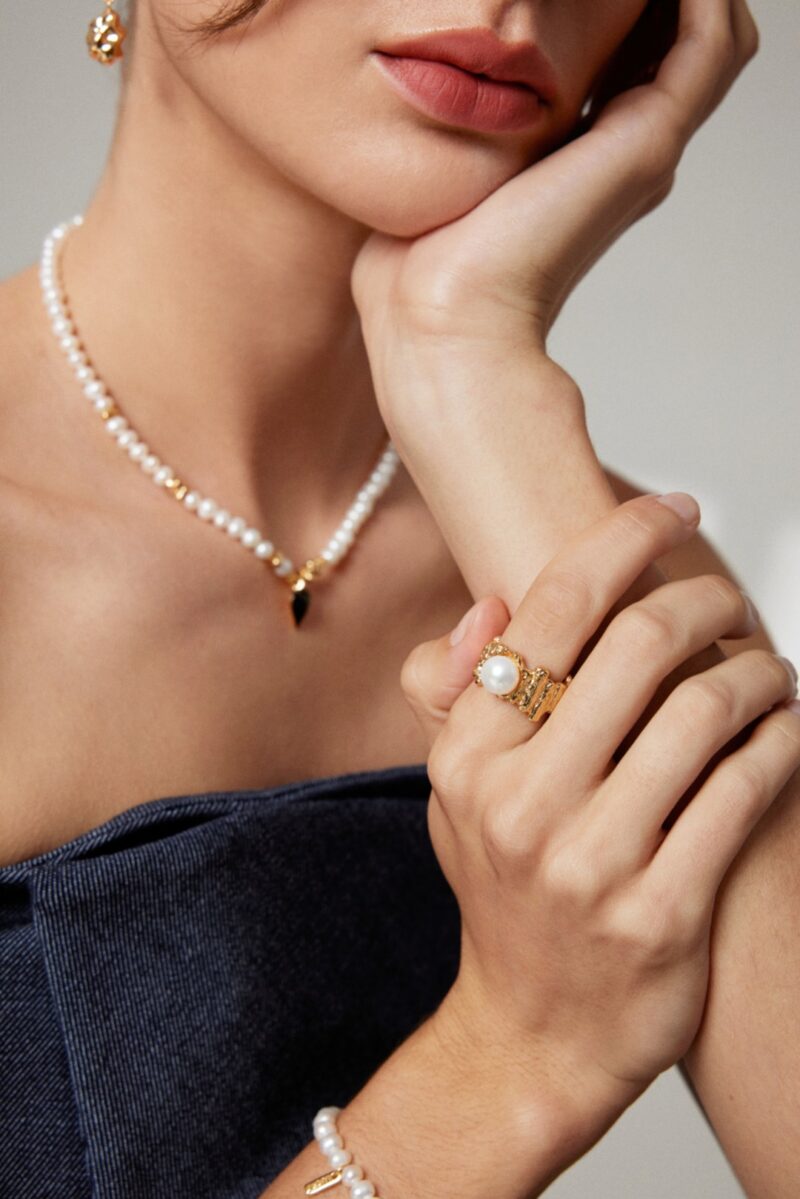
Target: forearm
450, 1113
541, 481
505, 465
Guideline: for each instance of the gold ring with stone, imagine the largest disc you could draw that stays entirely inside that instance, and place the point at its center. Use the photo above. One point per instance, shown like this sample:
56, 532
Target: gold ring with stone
504, 672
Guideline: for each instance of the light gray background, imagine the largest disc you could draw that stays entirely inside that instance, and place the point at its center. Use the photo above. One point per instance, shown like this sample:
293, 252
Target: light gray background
684, 339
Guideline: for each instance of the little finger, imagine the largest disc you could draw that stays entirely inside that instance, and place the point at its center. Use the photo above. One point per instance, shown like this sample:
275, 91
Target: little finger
698, 850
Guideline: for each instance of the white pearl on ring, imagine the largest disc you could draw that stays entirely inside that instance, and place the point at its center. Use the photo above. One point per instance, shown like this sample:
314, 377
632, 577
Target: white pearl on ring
499, 674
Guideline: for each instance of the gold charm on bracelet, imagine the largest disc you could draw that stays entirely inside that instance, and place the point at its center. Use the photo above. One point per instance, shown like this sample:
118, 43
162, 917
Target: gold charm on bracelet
323, 1182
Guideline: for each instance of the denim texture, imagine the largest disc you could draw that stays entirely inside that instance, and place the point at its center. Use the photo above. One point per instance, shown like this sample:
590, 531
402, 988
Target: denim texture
183, 987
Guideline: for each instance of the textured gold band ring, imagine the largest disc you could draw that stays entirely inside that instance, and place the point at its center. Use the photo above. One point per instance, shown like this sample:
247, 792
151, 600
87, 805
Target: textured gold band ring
504, 672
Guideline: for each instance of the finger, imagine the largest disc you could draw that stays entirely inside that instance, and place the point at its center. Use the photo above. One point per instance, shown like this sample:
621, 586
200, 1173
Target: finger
436, 672
703, 842
701, 66
641, 646
745, 30
696, 720
568, 601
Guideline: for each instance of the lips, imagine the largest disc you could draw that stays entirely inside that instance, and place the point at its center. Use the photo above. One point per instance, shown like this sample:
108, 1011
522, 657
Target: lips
481, 52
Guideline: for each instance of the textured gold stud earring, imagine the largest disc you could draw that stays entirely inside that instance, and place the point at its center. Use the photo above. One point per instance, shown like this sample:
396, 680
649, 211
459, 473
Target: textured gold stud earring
106, 35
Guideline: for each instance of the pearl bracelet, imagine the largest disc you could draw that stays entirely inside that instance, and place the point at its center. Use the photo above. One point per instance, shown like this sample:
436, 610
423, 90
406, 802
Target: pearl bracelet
344, 1168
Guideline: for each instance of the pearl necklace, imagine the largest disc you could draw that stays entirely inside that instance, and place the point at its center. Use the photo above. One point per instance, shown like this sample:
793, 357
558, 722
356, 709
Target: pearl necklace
207, 509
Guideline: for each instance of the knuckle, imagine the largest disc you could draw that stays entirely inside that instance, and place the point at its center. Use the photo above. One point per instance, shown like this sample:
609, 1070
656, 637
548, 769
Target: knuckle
634, 523
706, 701
450, 769
787, 726
644, 628
774, 670
561, 597
746, 782
654, 927
411, 673
505, 837
751, 38
571, 875
718, 587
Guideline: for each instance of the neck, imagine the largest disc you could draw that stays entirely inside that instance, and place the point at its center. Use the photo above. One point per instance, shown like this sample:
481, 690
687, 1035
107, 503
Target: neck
213, 297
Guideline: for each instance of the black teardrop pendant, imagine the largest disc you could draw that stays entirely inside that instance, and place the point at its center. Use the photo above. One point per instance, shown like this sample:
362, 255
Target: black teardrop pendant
300, 601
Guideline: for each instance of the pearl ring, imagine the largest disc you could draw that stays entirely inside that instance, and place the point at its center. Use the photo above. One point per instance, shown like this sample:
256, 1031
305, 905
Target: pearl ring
504, 672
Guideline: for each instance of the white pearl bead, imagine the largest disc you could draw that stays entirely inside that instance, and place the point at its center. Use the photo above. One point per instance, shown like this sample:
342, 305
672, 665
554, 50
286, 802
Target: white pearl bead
236, 526
264, 549
60, 325
191, 500
329, 1142
69, 343
162, 474
100, 403
327, 554
206, 508
221, 518
94, 390
126, 438
138, 451
339, 1158
150, 464
351, 1174
251, 538
362, 1190
327, 1113
324, 1128
499, 674
76, 357
115, 424
285, 567
83, 373
348, 523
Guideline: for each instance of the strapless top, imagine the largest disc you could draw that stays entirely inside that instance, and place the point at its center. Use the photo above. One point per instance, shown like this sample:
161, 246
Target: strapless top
183, 987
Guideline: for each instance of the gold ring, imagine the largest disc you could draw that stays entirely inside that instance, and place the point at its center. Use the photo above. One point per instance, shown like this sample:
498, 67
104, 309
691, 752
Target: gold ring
503, 672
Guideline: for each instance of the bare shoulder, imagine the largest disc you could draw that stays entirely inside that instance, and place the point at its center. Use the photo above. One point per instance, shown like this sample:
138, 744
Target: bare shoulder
697, 556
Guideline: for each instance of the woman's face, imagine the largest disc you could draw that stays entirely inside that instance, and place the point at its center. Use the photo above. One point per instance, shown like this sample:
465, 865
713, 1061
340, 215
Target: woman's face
301, 86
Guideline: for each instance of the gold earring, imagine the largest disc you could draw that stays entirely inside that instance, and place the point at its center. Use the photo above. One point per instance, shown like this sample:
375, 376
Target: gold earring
105, 36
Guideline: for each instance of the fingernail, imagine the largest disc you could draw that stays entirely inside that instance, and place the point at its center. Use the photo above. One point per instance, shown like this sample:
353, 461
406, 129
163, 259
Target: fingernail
460, 631
753, 612
790, 666
685, 505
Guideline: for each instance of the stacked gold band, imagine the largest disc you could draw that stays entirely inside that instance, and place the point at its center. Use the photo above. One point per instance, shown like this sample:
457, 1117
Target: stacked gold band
503, 671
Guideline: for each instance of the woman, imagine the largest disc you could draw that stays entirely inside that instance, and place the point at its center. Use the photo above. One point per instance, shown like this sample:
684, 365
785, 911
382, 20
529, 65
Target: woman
305, 239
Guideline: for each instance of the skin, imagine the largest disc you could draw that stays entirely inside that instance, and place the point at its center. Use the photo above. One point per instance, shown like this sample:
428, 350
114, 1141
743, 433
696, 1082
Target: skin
302, 193
290, 427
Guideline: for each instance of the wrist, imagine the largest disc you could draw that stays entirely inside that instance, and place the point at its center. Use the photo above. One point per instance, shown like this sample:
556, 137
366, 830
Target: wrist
495, 443
550, 1098
436, 382
442, 1118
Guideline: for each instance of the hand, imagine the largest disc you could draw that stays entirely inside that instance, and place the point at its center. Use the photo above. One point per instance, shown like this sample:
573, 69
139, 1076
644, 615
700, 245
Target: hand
497, 277
585, 925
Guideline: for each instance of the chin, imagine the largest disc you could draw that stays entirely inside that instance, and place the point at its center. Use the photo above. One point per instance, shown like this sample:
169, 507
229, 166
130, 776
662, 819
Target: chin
405, 187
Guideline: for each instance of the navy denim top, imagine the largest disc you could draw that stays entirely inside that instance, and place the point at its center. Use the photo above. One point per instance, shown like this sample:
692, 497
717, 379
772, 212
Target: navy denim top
183, 987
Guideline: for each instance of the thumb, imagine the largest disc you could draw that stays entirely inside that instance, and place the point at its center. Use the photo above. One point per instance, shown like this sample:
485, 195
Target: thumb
436, 672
